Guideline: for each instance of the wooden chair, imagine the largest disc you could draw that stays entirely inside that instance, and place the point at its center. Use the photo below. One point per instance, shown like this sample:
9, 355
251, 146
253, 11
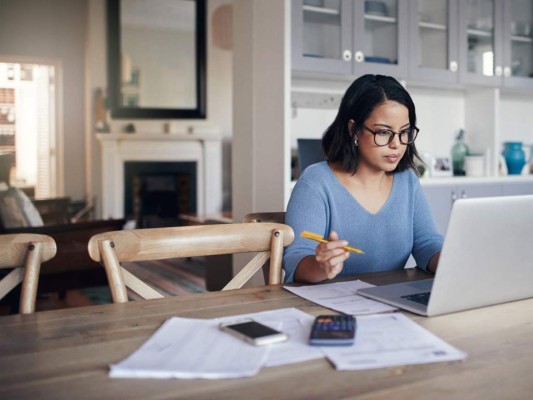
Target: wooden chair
25, 252
112, 248
276, 217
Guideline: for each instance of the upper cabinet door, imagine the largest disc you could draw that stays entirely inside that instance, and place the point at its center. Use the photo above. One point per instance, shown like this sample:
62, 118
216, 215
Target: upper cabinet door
350, 37
380, 35
481, 42
322, 36
434, 39
518, 43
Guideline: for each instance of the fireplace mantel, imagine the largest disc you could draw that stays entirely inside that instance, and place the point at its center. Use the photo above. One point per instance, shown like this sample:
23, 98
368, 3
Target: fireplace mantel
201, 146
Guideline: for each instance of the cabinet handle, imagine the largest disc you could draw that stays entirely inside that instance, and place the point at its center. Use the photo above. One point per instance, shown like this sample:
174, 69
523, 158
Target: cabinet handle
506, 71
359, 56
347, 55
498, 70
463, 194
453, 66
454, 197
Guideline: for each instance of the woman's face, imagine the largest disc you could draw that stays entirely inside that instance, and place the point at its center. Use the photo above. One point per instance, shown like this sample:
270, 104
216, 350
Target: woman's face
390, 115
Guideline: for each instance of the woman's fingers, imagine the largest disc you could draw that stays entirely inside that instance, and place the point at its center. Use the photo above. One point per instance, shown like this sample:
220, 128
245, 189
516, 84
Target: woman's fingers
337, 265
331, 255
325, 255
333, 236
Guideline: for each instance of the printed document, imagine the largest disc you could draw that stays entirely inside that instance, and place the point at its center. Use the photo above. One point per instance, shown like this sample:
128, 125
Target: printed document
192, 348
342, 297
189, 348
387, 340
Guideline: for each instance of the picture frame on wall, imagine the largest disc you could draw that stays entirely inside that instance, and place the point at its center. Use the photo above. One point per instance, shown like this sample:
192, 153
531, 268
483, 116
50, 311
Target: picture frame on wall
441, 166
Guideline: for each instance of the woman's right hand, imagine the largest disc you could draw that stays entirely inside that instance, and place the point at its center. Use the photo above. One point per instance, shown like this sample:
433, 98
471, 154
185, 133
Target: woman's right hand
331, 256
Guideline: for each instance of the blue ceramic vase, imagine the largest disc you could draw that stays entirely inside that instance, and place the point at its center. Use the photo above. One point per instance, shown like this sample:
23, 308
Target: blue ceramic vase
515, 157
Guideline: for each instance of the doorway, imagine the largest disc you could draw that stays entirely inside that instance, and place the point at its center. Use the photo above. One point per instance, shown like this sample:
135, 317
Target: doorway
28, 125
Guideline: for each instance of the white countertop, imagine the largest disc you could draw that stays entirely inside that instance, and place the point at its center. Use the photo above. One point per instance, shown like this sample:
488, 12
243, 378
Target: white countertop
454, 180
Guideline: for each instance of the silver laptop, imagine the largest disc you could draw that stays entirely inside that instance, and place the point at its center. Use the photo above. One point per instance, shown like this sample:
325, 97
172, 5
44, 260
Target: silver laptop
487, 258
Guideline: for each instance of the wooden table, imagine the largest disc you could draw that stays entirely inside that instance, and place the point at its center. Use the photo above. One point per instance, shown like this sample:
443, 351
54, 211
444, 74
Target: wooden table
65, 354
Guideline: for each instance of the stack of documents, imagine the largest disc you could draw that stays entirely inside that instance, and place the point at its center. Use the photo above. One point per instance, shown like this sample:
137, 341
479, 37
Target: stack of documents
196, 348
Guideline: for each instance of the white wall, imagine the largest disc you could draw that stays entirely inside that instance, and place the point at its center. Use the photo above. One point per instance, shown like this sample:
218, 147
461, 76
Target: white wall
220, 95
261, 84
54, 30
440, 114
516, 121
309, 123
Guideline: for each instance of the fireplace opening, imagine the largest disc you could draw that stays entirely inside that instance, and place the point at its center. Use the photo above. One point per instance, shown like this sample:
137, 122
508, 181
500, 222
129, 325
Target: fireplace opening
156, 193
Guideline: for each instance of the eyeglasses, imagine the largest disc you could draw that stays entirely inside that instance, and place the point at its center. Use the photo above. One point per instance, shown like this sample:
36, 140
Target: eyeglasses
383, 137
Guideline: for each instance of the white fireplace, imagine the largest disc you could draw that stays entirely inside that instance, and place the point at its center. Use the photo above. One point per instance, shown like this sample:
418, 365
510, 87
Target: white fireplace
203, 147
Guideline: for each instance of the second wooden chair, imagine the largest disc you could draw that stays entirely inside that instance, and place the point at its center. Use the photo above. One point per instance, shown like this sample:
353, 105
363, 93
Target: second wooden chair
24, 252
112, 248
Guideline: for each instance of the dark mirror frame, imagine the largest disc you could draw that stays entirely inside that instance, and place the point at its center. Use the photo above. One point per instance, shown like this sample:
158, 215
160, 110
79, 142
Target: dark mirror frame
113, 63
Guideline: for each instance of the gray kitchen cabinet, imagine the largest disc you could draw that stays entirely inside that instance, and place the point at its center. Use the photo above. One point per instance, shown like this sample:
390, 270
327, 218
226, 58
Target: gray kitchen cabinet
496, 43
322, 36
434, 40
442, 196
481, 42
517, 188
518, 44
350, 37
472, 42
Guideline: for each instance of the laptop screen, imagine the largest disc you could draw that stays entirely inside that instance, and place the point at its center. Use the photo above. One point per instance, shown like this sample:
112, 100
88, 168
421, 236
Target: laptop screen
309, 152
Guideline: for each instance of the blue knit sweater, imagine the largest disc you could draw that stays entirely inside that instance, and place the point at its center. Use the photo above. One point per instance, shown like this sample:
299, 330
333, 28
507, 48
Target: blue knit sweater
319, 203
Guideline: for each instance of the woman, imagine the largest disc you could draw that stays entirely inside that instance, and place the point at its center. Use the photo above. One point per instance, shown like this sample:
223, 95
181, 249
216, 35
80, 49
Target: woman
366, 193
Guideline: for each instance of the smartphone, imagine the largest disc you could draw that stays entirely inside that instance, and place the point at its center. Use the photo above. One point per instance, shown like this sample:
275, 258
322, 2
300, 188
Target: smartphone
333, 330
253, 332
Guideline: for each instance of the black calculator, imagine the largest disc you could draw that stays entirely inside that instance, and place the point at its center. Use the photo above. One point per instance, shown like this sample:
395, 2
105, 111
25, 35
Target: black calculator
333, 330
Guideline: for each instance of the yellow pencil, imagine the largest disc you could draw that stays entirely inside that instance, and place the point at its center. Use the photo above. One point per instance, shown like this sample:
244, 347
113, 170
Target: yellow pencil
318, 238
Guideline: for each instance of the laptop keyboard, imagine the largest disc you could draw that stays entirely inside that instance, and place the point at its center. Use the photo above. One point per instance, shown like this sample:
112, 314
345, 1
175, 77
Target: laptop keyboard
422, 298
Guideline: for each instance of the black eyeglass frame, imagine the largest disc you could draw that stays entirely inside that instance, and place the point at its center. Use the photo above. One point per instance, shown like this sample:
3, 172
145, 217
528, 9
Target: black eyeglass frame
392, 134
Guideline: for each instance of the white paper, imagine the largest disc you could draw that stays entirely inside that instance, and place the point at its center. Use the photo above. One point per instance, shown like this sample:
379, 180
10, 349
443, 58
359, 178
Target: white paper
192, 348
342, 297
389, 340
297, 324
196, 348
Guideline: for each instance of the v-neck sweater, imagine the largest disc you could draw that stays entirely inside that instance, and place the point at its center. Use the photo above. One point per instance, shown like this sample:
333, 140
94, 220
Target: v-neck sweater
403, 226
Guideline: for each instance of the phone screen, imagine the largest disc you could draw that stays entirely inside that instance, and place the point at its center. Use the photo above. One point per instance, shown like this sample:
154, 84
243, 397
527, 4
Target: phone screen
253, 329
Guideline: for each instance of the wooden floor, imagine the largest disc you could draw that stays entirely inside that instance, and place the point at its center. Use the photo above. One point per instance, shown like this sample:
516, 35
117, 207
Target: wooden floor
169, 277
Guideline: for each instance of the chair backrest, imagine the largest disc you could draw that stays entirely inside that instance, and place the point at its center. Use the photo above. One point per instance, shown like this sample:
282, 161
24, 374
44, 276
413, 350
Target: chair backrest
24, 252
112, 248
276, 217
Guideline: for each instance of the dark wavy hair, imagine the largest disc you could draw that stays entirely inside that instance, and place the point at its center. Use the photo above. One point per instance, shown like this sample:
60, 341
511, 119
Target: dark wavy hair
361, 98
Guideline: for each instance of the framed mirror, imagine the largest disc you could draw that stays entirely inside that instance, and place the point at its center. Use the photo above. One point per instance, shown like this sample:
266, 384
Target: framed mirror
156, 59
